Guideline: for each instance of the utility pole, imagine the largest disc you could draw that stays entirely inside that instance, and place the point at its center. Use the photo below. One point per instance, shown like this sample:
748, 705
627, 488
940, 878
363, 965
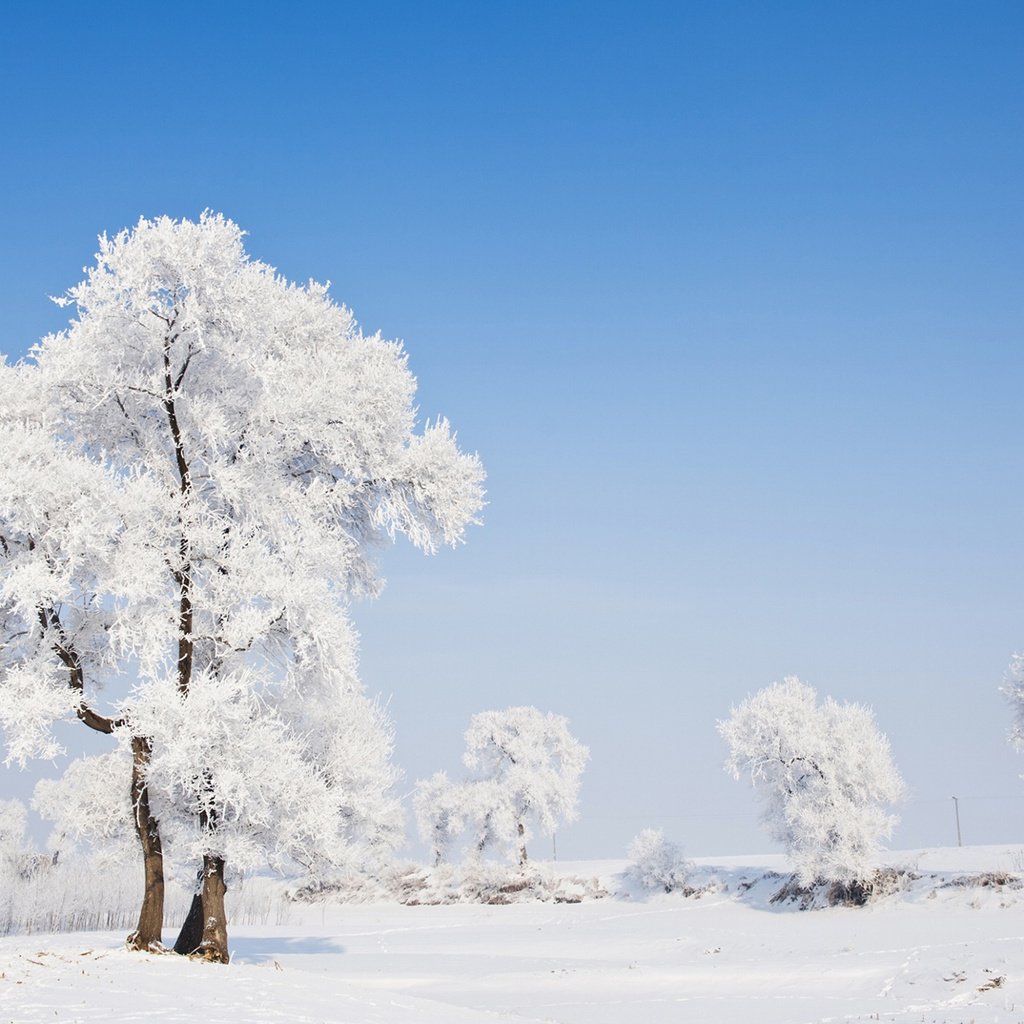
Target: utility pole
956, 811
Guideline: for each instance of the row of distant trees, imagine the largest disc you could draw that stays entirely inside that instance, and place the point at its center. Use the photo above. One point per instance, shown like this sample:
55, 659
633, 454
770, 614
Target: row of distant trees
824, 771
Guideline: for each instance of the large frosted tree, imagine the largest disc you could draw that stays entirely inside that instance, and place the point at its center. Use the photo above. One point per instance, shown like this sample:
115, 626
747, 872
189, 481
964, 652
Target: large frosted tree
206, 460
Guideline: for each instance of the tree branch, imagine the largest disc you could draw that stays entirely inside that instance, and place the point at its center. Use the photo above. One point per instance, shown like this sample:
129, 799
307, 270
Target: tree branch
184, 367
65, 650
183, 576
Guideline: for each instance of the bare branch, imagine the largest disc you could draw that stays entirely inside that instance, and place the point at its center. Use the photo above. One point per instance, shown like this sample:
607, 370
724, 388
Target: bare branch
184, 368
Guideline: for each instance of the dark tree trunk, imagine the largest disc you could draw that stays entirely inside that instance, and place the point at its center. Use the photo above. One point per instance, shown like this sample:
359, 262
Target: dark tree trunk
522, 845
214, 944
191, 935
149, 933
213, 940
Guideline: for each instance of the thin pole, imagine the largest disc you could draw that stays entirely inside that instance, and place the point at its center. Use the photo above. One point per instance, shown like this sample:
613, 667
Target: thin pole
956, 810
554, 846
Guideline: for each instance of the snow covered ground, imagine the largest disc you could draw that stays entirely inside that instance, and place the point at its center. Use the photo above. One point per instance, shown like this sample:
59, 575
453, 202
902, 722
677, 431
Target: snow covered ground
935, 952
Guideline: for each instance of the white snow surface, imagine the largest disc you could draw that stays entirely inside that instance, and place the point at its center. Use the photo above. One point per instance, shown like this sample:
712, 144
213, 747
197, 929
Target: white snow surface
935, 952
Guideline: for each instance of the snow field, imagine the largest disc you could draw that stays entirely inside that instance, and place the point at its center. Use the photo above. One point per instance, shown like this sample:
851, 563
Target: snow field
941, 952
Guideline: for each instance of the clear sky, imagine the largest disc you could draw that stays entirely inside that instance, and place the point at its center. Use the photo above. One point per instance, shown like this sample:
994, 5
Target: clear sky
726, 295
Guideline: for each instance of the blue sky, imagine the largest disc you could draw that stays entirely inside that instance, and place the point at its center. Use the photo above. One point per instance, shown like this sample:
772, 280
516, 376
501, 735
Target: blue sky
727, 296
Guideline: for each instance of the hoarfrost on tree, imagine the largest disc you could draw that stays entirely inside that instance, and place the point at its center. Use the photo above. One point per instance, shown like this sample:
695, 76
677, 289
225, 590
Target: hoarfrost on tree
657, 862
440, 809
825, 776
13, 821
281, 800
1013, 690
525, 768
202, 466
89, 807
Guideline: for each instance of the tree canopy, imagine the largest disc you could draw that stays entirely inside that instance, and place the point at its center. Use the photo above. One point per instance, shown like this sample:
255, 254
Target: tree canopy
825, 775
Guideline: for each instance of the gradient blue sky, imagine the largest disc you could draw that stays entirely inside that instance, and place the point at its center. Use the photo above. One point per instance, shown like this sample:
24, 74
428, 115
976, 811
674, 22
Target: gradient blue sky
727, 296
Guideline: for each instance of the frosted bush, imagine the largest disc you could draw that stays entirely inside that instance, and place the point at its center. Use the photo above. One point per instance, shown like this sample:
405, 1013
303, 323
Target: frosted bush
658, 863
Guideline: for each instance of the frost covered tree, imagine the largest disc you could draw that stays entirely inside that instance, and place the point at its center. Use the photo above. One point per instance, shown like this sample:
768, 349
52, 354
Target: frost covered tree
1013, 690
16, 860
202, 465
90, 805
440, 808
13, 842
825, 775
526, 769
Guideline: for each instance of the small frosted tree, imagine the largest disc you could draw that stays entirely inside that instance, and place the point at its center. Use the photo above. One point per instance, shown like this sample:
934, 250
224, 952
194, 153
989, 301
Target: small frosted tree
526, 768
1013, 690
825, 775
13, 818
14, 860
440, 809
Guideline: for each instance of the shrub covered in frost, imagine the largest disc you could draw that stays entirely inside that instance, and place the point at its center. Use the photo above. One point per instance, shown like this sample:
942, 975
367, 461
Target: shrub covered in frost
658, 863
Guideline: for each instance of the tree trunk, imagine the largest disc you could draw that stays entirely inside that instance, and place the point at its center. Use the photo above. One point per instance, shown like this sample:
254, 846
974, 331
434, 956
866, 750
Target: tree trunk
522, 845
214, 944
201, 931
149, 933
190, 937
